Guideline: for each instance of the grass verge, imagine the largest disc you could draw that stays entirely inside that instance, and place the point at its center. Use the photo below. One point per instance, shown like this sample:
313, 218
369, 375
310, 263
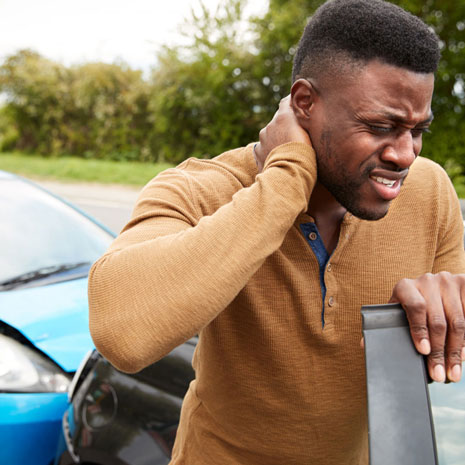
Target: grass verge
113, 172
80, 169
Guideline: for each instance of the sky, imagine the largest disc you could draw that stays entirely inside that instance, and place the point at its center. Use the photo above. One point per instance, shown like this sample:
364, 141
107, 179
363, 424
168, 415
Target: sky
77, 31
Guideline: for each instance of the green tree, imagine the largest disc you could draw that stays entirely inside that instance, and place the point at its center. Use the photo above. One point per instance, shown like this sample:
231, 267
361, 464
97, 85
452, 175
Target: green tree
277, 35
204, 94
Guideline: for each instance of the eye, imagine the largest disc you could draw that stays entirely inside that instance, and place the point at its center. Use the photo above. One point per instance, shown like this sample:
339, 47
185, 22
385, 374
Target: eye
418, 132
380, 129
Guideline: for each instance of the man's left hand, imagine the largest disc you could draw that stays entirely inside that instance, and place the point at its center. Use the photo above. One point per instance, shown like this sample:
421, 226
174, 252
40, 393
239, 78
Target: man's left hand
435, 308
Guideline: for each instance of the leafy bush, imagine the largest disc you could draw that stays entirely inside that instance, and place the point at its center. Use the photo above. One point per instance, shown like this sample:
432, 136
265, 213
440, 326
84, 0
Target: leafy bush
93, 110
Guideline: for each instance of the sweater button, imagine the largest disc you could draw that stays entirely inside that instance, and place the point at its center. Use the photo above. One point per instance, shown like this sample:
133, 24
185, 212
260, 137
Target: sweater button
331, 301
312, 236
329, 267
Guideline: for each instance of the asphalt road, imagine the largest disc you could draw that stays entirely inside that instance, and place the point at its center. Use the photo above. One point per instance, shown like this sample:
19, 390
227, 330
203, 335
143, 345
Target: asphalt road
110, 204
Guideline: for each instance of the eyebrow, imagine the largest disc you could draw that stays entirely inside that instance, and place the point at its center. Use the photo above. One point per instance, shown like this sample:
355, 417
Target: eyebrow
400, 119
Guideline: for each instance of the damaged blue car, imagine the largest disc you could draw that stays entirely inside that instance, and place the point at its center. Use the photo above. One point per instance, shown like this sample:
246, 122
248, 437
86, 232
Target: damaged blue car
46, 249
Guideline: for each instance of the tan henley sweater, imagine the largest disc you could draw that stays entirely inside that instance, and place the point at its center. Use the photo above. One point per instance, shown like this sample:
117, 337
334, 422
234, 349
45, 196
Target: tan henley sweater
214, 249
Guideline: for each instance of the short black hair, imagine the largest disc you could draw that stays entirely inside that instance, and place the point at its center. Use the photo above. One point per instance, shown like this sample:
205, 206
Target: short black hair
362, 31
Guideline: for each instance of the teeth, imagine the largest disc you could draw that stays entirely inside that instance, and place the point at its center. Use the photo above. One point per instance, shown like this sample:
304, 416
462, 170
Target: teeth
386, 182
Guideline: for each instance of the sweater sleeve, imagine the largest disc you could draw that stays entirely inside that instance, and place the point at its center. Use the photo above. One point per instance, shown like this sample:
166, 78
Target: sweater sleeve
450, 253
170, 272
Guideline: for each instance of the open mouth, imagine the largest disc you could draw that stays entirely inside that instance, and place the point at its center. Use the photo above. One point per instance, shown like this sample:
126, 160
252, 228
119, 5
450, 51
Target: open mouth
384, 181
387, 189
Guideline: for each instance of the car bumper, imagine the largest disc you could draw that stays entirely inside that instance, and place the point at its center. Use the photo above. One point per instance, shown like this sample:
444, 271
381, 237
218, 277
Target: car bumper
30, 427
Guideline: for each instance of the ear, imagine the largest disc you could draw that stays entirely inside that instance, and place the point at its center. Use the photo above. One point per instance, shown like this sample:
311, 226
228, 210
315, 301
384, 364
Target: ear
303, 96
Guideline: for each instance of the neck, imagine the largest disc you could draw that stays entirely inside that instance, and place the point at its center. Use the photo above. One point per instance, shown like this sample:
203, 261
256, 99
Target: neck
327, 213
323, 207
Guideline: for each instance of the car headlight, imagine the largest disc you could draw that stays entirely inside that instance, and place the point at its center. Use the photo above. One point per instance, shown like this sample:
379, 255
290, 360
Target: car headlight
24, 370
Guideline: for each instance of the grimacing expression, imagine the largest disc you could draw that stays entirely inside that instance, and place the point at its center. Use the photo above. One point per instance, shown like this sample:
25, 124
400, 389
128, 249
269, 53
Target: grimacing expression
367, 133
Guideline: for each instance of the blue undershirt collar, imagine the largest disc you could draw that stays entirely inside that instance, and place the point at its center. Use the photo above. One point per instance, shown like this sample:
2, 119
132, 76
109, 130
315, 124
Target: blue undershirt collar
311, 234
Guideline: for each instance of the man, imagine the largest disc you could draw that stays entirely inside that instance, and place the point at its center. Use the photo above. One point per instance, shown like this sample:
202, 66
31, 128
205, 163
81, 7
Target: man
268, 252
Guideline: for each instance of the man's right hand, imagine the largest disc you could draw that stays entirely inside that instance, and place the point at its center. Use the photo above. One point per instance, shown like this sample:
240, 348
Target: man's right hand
283, 128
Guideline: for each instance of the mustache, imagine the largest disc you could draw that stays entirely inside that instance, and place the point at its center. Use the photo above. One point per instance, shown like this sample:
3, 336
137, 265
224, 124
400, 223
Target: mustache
372, 165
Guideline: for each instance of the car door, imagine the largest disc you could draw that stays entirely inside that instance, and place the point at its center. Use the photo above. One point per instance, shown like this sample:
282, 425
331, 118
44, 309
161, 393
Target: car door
411, 420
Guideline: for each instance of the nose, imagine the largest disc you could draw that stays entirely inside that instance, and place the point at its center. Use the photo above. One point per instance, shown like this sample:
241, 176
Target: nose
401, 151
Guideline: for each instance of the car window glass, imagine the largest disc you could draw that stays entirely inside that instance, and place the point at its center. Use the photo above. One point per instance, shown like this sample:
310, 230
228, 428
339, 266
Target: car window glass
37, 230
448, 405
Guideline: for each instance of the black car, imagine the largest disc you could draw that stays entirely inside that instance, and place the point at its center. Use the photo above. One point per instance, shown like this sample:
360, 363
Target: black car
121, 419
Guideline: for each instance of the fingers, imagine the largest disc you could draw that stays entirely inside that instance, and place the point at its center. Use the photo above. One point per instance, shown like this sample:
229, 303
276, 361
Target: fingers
463, 351
462, 298
283, 128
285, 102
434, 305
453, 310
406, 293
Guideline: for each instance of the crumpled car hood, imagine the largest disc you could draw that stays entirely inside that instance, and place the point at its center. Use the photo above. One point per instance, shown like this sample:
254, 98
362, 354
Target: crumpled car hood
53, 317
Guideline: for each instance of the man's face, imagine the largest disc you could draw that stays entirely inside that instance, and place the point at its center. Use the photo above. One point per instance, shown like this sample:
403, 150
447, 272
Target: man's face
367, 132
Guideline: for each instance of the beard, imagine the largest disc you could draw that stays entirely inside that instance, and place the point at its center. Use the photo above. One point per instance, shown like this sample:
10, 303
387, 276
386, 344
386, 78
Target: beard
345, 188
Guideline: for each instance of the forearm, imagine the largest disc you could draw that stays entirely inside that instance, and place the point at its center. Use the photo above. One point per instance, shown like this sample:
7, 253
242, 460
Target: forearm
149, 296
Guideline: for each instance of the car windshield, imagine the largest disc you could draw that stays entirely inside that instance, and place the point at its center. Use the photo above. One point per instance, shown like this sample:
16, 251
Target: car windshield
448, 405
39, 232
